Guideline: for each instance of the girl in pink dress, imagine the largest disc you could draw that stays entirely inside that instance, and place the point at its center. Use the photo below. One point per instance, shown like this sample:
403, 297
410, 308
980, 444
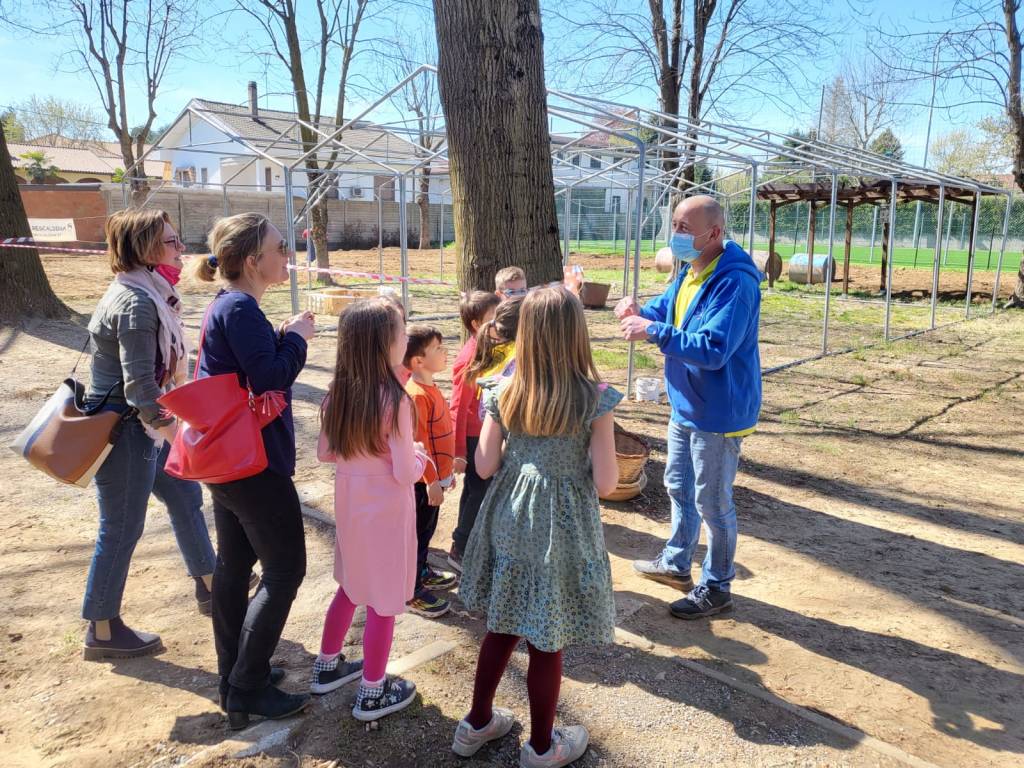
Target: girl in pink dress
367, 428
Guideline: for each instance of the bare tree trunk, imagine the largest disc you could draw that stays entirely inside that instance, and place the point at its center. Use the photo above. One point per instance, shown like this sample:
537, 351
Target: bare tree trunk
423, 201
1016, 301
318, 218
491, 81
24, 289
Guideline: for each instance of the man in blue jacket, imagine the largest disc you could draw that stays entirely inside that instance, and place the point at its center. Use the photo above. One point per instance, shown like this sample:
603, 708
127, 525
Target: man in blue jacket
706, 325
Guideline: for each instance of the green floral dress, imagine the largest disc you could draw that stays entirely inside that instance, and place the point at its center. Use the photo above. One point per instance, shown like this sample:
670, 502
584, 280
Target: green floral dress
536, 562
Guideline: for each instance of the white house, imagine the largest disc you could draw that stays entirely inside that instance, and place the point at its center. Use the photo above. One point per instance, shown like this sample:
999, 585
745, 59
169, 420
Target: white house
212, 143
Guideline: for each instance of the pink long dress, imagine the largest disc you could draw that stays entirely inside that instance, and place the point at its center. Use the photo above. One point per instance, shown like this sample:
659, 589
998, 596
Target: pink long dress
375, 514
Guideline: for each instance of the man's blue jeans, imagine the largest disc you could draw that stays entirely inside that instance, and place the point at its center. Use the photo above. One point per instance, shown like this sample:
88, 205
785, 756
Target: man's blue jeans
699, 474
134, 469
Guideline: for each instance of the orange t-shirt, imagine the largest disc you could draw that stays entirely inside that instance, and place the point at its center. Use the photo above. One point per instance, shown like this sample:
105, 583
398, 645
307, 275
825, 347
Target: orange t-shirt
433, 429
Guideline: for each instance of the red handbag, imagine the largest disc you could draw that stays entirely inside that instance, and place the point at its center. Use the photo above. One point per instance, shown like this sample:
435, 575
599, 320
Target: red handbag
218, 438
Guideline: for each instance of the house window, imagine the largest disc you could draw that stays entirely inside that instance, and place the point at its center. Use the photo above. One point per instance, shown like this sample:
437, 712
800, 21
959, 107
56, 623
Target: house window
268, 180
595, 162
616, 204
575, 159
204, 176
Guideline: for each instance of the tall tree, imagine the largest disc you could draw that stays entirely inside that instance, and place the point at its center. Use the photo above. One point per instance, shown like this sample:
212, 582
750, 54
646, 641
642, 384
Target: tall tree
974, 57
24, 289
887, 143
313, 63
700, 57
12, 125
870, 102
125, 46
53, 119
491, 81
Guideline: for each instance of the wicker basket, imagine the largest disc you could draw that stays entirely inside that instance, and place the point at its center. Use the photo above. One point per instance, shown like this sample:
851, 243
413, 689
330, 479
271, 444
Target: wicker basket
631, 453
629, 490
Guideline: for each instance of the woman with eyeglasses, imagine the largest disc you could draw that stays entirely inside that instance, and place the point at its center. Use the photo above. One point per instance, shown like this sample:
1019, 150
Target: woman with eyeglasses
257, 517
138, 353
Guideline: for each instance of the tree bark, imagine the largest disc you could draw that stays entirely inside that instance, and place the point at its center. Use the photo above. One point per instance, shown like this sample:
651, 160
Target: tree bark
491, 82
423, 201
1016, 301
1013, 107
318, 217
24, 289
847, 247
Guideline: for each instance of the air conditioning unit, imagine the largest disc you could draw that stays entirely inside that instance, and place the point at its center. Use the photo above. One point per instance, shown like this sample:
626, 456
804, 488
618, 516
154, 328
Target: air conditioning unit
356, 191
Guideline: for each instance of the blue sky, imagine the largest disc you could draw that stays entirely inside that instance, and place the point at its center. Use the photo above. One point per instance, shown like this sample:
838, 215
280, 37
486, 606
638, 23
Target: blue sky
224, 70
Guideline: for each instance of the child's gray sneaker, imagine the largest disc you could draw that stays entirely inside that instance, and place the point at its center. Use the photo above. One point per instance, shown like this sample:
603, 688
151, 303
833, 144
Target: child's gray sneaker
468, 740
331, 675
568, 744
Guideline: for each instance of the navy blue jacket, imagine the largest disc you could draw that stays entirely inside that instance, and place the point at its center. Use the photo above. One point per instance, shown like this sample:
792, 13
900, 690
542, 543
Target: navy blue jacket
239, 339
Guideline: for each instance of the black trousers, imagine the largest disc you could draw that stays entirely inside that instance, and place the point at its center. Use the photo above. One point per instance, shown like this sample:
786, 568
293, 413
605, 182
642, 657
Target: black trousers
474, 488
426, 524
258, 518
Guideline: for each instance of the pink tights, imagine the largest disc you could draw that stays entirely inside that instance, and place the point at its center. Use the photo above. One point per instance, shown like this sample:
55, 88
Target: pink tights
376, 637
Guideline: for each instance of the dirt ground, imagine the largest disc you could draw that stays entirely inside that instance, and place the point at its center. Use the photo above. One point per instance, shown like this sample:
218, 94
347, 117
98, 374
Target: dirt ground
880, 581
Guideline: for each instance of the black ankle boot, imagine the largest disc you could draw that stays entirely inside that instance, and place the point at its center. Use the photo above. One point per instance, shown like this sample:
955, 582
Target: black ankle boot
270, 703
124, 643
276, 676
204, 597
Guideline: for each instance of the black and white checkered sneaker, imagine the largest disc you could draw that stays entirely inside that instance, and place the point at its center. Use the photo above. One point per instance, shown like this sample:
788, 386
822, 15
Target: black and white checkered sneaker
391, 696
331, 675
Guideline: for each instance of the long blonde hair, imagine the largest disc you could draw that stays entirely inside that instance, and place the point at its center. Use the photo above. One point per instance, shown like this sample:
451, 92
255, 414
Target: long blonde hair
232, 240
554, 387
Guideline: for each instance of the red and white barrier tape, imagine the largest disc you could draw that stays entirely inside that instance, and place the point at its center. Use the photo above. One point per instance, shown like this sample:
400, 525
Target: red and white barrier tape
28, 242
371, 276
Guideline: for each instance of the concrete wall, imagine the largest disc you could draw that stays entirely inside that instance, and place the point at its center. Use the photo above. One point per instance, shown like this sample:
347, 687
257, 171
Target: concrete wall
351, 223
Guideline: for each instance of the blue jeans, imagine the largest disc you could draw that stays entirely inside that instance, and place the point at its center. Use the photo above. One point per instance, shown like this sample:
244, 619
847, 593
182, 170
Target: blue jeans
134, 469
699, 474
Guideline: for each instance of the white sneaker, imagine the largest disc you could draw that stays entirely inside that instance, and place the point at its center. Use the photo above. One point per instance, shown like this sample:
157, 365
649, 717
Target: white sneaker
468, 740
567, 745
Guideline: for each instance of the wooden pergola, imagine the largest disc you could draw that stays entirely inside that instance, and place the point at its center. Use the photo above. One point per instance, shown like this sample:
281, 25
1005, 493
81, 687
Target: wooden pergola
856, 192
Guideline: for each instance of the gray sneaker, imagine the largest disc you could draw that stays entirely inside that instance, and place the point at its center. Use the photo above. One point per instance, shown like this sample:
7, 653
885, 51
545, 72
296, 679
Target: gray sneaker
655, 570
567, 745
468, 740
701, 602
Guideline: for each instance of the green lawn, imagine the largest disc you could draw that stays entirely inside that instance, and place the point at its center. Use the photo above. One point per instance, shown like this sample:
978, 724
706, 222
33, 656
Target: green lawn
956, 260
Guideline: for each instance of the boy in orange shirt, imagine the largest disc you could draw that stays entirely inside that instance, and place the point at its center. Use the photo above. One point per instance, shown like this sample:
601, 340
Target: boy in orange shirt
425, 356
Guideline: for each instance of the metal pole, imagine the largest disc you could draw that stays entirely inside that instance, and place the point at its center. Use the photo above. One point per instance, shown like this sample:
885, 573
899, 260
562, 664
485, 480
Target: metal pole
892, 250
579, 217
971, 255
380, 237
938, 252
1002, 250
403, 241
753, 207
927, 141
828, 262
636, 255
568, 226
949, 230
874, 225
289, 215
796, 223
309, 238
625, 255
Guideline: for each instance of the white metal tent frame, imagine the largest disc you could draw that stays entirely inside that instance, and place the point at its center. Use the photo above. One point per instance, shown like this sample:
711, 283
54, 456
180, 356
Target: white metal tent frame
650, 149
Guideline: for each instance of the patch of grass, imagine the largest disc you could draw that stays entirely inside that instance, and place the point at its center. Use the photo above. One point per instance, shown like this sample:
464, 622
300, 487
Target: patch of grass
789, 417
614, 359
859, 379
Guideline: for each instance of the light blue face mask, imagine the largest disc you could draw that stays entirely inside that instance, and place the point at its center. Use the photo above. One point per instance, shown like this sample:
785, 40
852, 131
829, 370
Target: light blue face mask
681, 244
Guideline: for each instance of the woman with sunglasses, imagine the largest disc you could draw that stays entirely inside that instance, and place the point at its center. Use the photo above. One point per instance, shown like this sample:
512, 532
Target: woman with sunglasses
257, 517
138, 353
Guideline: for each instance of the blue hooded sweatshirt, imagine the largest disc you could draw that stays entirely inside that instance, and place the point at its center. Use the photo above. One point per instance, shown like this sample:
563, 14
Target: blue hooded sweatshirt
712, 363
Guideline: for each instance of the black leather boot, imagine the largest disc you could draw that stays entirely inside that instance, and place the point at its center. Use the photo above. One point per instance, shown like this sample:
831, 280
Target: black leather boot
270, 703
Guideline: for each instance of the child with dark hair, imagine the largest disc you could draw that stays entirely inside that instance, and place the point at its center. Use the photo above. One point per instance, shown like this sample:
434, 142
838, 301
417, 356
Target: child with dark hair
426, 356
476, 309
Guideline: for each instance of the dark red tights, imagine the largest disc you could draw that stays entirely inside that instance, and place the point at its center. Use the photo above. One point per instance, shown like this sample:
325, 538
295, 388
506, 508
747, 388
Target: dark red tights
543, 679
